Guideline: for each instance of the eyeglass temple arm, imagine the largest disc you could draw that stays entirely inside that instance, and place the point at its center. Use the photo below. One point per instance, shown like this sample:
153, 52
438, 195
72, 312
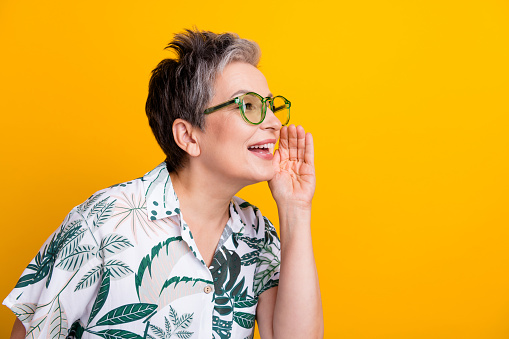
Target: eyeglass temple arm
218, 107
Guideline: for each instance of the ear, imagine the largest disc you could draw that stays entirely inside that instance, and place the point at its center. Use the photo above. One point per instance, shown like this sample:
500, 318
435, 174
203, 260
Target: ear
185, 136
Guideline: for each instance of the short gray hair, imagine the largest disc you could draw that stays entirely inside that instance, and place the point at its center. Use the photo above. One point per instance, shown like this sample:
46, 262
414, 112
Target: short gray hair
182, 87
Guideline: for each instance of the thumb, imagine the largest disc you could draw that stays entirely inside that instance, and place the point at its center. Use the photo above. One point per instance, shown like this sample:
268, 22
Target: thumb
276, 160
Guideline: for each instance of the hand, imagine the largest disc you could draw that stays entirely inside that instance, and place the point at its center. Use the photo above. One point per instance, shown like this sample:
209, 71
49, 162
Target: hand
294, 179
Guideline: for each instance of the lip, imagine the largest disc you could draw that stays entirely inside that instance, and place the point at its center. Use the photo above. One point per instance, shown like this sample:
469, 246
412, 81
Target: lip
263, 142
265, 156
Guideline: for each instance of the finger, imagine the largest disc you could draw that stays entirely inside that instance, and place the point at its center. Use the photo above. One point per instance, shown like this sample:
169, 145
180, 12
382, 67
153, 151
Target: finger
301, 143
292, 142
283, 144
309, 156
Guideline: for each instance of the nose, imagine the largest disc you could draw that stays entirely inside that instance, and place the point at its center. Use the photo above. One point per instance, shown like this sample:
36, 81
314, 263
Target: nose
271, 121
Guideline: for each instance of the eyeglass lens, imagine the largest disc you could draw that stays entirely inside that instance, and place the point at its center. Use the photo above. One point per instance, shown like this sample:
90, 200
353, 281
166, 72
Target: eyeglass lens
252, 106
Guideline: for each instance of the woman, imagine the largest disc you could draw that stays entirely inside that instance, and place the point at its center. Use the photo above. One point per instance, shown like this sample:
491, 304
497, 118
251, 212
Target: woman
175, 253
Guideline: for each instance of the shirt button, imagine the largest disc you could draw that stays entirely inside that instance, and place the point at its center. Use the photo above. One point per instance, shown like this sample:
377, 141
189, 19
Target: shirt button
207, 289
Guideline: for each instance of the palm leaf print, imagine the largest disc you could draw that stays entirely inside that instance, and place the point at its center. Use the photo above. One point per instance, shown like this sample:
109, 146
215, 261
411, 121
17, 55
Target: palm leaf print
245, 320
118, 269
126, 314
180, 324
72, 242
133, 212
158, 331
101, 296
97, 207
268, 260
90, 201
44, 260
89, 278
77, 259
117, 334
104, 214
113, 244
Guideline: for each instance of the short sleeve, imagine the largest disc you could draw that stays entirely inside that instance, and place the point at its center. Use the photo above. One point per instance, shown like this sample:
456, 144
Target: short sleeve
60, 283
268, 264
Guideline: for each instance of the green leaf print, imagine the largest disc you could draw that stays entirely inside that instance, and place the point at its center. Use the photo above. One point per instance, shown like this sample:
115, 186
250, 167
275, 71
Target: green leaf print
89, 278
117, 334
57, 322
253, 243
250, 302
44, 260
263, 277
101, 296
118, 269
184, 334
72, 242
89, 202
113, 244
24, 312
34, 330
245, 320
104, 214
234, 265
159, 332
97, 207
250, 258
238, 288
229, 288
224, 310
77, 259
126, 313
221, 327
180, 324
76, 331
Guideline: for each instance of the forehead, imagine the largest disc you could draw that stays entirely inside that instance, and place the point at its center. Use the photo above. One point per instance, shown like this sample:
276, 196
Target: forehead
240, 76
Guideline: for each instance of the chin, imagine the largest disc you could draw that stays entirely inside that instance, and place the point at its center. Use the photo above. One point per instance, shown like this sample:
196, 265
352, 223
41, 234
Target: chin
265, 176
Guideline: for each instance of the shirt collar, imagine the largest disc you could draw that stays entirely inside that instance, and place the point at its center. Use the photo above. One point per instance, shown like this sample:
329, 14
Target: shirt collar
162, 201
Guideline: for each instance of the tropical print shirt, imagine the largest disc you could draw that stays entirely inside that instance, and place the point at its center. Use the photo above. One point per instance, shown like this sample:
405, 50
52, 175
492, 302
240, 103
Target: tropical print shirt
124, 264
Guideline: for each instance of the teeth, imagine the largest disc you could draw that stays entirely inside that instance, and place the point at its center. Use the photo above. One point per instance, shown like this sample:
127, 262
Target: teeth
263, 146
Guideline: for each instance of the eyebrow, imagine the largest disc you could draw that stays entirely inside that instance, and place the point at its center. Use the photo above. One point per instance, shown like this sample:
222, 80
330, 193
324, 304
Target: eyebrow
243, 91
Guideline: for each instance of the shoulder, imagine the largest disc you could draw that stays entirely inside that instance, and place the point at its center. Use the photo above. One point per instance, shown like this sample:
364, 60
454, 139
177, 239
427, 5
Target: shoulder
99, 206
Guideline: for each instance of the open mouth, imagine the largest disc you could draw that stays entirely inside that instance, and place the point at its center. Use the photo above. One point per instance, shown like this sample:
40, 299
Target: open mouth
263, 149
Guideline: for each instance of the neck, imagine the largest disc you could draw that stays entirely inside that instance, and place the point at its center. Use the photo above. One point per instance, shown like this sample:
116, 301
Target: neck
204, 198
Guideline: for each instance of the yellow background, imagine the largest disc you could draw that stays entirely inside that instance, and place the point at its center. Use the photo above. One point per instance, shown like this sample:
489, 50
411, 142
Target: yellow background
407, 101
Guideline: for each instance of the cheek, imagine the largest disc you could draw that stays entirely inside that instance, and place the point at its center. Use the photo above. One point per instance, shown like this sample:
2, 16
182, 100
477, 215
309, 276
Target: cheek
227, 139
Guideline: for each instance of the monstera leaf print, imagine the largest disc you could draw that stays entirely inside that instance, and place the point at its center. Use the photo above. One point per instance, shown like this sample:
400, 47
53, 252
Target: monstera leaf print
231, 293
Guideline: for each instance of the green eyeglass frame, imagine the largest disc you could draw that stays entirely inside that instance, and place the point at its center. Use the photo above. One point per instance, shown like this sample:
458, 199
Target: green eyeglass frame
238, 101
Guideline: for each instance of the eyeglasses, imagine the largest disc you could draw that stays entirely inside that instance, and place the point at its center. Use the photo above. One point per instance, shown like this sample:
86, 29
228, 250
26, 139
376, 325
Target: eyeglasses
253, 107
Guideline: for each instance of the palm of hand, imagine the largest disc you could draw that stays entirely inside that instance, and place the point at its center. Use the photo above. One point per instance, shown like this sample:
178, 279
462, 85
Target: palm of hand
294, 179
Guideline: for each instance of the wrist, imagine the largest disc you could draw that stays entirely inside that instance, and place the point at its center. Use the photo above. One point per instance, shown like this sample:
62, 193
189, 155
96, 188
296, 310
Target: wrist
294, 206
